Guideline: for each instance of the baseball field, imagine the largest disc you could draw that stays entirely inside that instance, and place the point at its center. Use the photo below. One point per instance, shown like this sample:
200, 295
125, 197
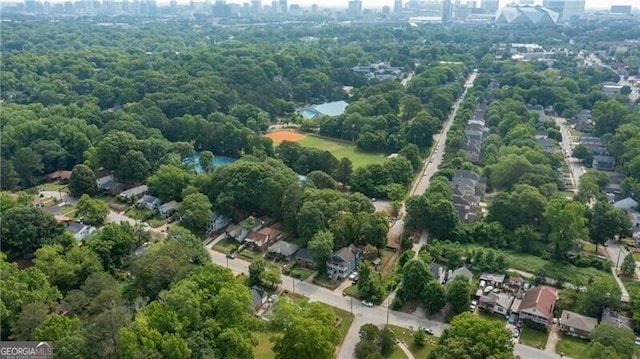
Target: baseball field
338, 148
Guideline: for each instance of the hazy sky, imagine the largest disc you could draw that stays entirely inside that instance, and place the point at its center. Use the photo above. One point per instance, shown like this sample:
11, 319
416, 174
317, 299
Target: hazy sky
590, 4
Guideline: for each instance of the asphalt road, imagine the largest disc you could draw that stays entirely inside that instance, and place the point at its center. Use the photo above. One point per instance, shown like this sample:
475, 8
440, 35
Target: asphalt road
432, 162
576, 169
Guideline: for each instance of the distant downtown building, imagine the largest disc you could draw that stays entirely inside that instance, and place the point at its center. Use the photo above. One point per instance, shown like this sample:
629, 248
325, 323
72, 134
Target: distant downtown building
446, 11
566, 8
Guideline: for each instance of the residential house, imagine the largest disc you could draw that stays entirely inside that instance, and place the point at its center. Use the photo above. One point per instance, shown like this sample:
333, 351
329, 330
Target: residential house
515, 282
591, 141
283, 250
462, 271
149, 202
614, 318
216, 222
439, 272
628, 204
605, 163
547, 144
258, 297
134, 193
331, 109
494, 280
467, 194
496, 302
240, 231
343, 262
113, 187
60, 176
611, 89
236, 232
537, 305
166, 210
577, 325
103, 177
80, 231
305, 259
260, 240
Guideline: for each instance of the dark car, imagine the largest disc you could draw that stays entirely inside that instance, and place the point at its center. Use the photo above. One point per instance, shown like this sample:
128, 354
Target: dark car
230, 255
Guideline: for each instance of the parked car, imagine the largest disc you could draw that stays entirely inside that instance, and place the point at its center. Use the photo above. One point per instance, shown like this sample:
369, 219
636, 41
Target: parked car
516, 334
429, 331
366, 303
637, 340
353, 275
230, 255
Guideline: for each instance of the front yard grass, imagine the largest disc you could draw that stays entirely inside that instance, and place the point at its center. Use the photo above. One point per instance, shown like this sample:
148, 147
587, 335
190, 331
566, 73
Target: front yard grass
250, 255
352, 291
137, 213
226, 245
263, 350
324, 281
300, 272
534, 338
406, 336
571, 346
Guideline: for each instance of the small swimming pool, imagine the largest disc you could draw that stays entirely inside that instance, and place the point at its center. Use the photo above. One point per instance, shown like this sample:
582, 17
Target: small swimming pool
217, 161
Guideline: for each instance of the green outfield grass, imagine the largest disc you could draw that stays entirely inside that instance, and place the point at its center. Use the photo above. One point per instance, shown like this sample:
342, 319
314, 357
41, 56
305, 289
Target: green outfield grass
342, 149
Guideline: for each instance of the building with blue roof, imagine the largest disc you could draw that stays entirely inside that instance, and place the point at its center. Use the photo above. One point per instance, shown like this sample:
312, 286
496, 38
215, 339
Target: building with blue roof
331, 109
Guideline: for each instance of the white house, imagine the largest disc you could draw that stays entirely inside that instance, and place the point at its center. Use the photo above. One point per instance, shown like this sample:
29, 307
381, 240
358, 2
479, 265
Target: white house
149, 202
80, 231
103, 177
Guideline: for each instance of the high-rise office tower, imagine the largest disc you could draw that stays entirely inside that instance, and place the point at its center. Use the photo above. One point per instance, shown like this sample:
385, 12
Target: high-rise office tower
355, 8
490, 6
566, 8
446, 10
284, 8
397, 6
256, 7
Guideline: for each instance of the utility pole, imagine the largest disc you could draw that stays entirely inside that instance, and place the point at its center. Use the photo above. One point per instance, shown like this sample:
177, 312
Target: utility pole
227, 261
388, 306
351, 304
293, 279
618, 260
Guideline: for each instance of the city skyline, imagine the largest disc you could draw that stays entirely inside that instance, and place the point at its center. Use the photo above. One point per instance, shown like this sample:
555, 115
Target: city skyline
590, 4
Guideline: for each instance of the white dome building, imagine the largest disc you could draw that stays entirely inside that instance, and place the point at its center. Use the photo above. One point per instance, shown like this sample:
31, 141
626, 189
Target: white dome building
526, 15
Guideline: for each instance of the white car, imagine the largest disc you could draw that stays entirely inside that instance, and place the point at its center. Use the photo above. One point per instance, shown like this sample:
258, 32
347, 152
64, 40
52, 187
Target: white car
367, 303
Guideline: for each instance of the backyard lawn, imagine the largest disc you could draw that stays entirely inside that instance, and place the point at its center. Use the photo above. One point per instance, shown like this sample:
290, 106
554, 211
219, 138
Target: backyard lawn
491, 317
406, 336
534, 338
532, 264
571, 347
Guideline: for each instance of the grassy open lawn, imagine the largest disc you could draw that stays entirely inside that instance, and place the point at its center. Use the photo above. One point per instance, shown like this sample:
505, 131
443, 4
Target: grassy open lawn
300, 272
534, 338
352, 291
250, 255
324, 281
532, 264
571, 347
226, 245
406, 336
342, 149
263, 349
632, 285
156, 221
137, 213
636, 256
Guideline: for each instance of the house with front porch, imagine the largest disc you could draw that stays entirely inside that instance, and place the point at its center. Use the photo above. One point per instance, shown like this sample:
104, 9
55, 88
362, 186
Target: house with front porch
343, 262
537, 305
577, 325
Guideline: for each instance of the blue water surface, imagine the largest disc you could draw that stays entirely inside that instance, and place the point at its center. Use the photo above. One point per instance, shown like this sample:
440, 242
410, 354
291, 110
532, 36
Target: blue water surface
217, 161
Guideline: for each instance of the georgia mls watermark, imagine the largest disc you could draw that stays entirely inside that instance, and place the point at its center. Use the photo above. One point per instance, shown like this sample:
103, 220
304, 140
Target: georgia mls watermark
26, 350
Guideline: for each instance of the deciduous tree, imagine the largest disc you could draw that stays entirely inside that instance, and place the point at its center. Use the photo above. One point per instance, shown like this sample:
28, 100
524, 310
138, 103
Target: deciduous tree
83, 181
